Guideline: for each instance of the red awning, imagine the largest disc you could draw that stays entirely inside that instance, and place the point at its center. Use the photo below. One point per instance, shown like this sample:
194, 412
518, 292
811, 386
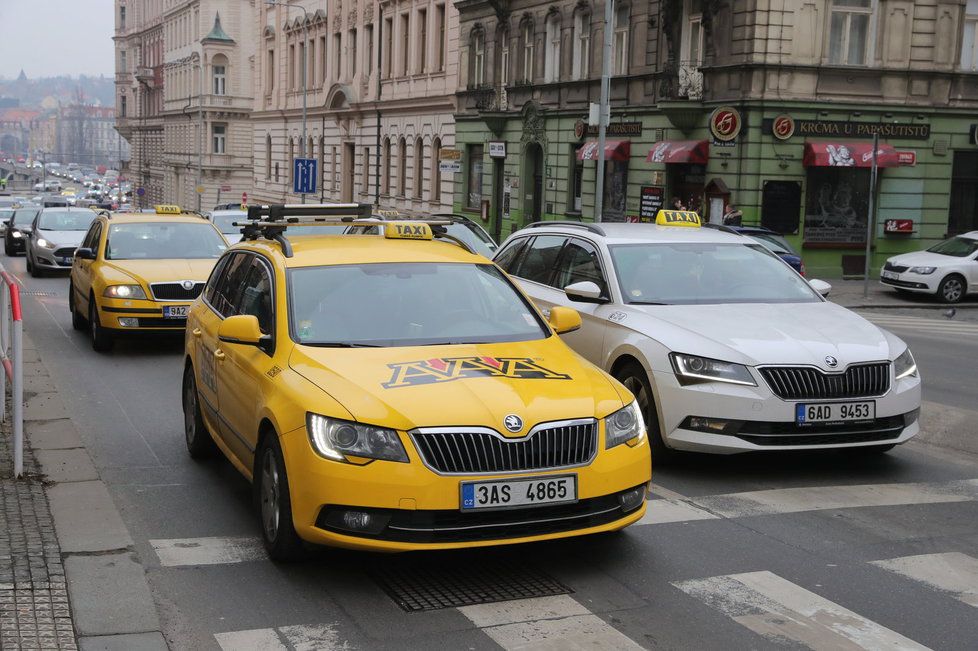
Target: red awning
680, 151
850, 154
613, 150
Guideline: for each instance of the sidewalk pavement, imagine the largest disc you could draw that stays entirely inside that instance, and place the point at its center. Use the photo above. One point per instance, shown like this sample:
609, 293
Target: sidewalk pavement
69, 574
849, 293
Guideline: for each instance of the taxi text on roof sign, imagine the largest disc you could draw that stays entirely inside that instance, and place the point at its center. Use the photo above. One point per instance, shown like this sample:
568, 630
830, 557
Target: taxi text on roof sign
164, 209
407, 231
677, 218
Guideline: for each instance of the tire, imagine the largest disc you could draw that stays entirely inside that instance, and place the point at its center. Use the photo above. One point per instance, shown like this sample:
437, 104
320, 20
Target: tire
633, 376
200, 445
952, 289
32, 268
101, 339
274, 503
8, 248
78, 322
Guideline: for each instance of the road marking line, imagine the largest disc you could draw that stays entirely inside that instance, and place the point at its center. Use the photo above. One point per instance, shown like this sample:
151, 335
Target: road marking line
665, 492
953, 572
176, 552
781, 611
297, 638
666, 511
557, 622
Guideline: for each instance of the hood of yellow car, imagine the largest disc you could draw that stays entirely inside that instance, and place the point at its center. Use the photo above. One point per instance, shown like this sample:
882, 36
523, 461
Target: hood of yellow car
461, 385
155, 271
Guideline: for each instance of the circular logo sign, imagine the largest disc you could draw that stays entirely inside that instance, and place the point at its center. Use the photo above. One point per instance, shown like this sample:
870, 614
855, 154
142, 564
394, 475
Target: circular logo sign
580, 127
187, 285
513, 423
725, 123
831, 361
783, 127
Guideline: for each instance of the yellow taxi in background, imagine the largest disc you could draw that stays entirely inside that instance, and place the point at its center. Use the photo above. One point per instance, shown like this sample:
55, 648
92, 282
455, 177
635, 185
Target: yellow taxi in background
400, 393
139, 272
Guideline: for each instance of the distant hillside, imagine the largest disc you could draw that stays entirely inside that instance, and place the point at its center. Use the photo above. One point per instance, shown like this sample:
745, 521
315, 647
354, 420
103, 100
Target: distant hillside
32, 92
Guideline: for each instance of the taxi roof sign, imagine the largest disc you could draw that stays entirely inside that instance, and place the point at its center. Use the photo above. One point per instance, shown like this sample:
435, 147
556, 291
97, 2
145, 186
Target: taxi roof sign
686, 218
408, 231
167, 209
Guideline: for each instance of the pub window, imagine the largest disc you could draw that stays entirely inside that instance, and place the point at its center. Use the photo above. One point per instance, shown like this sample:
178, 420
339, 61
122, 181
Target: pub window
849, 40
551, 62
575, 200
582, 43
473, 177
620, 44
963, 214
836, 205
969, 41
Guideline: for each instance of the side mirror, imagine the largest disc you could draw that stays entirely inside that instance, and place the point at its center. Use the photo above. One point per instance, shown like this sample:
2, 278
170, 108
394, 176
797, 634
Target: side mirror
820, 286
564, 319
241, 329
584, 291
85, 253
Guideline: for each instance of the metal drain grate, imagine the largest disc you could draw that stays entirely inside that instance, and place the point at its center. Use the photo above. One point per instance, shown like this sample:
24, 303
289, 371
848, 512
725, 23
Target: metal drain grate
419, 584
32, 293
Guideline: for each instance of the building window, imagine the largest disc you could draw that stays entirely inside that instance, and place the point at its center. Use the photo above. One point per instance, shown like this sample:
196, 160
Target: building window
353, 53
478, 57
575, 197
963, 215
385, 167
334, 166
404, 51
322, 162
270, 76
368, 64
435, 192
219, 138
551, 59
440, 35
504, 58
122, 105
418, 167
291, 70
690, 77
849, 32
288, 163
220, 80
337, 56
473, 177
122, 18
323, 61
422, 66
366, 170
969, 43
582, 45
268, 157
300, 65
619, 61
388, 47
122, 61
526, 36
402, 167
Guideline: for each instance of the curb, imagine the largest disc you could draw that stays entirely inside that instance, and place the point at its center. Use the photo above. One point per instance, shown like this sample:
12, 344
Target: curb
111, 602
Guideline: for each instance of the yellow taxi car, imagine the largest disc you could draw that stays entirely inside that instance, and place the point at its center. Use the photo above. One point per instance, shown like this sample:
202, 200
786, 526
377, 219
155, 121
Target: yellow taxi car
139, 272
401, 393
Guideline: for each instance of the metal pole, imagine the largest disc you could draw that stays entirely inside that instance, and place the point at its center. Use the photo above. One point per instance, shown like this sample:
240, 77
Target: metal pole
17, 397
870, 218
200, 130
4, 329
305, 57
604, 110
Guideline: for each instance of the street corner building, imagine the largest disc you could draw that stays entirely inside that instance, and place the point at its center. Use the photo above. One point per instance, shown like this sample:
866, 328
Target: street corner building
728, 103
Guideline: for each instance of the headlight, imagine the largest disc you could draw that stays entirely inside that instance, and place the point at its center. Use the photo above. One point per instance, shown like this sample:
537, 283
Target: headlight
624, 425
334, 439
124, 291
45, 243
905, 365
16, 234
923, 271
691, 369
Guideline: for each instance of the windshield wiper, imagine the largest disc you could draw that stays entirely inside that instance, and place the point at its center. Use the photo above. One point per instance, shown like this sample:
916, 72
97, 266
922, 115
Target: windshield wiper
647, 303
454, 343
339, 344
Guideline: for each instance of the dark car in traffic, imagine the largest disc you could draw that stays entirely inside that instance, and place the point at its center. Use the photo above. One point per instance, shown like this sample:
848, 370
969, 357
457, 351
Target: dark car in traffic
776, 243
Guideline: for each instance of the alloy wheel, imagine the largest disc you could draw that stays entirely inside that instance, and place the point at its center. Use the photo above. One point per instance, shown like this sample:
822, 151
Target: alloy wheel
270, 495
952, 290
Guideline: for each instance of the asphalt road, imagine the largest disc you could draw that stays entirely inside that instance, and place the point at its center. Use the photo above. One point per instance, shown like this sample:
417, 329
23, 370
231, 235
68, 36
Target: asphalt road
825, 551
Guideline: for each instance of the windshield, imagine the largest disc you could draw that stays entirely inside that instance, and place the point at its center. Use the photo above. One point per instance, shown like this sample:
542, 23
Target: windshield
477, 240
706, 274
65, 220
959, 247
223, 222
407, 304
161, 240
23, 217
774, 242
6, 214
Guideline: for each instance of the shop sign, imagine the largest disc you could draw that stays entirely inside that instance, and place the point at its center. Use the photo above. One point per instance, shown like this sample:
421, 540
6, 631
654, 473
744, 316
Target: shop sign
725, 123
614, 129
497, 149
908, 158
650, 202
449, 160
898, 226
847, 129
783, 127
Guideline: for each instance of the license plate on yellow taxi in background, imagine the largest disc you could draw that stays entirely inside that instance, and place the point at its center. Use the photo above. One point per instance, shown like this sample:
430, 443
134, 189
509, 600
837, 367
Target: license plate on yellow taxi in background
505, 493
175, 311
835, 412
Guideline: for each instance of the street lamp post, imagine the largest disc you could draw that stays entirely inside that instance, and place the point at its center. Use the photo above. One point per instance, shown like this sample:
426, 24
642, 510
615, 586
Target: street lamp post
305, 57
604, 112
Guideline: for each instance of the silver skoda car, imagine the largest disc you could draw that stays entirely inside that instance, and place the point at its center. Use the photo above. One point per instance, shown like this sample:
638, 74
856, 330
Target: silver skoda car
57, 233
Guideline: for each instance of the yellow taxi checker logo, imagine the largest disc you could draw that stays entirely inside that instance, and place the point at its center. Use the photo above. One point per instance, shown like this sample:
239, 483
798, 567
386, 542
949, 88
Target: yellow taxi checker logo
446, 369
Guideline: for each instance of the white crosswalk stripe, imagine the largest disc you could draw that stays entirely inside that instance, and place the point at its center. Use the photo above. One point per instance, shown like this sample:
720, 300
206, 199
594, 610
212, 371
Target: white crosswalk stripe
937, 326
781, 611
953, 573
175, 552
298, 638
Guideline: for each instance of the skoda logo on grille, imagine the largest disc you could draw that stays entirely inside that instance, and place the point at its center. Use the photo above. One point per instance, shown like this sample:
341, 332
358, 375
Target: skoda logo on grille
513, 423
187, 284
831, 361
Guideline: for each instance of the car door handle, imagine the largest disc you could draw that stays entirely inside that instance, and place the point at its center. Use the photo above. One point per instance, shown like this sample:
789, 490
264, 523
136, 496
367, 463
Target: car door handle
196, 332
219, 355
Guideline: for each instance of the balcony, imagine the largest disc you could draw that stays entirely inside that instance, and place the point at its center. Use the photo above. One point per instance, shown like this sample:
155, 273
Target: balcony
681, 81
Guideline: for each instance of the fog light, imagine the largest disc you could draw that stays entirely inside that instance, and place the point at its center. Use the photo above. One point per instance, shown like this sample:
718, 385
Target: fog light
632, 499
128, 322
711, 425
364, 521
911, 417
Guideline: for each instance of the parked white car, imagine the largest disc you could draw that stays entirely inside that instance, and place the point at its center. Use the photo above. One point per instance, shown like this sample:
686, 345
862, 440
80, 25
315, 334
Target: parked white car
948, 270
726, 348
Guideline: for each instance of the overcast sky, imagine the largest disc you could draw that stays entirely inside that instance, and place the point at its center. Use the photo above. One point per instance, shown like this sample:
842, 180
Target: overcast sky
56, 37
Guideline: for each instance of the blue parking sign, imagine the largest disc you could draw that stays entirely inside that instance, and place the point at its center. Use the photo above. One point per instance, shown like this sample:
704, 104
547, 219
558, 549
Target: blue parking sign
304, 175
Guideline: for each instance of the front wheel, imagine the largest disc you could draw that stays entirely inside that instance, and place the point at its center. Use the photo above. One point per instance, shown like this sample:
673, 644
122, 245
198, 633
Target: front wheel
633, 376
951, 289
78, 322
101, 338
275, 503
200, 445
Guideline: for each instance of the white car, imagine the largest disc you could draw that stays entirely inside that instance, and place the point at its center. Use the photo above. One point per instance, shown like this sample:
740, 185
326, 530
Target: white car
948, 270
726, 347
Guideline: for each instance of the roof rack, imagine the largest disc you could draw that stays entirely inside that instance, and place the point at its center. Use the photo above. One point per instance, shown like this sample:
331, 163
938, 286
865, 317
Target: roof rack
593, 228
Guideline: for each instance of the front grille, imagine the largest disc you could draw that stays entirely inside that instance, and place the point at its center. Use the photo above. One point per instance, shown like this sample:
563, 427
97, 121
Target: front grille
771, 433
903, 283
175, 291
161, 323
556, 445
895, 267
64, 252
808, 383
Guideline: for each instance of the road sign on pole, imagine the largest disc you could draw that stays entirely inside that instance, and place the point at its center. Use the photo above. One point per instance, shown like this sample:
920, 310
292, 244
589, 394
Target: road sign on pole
304, 174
